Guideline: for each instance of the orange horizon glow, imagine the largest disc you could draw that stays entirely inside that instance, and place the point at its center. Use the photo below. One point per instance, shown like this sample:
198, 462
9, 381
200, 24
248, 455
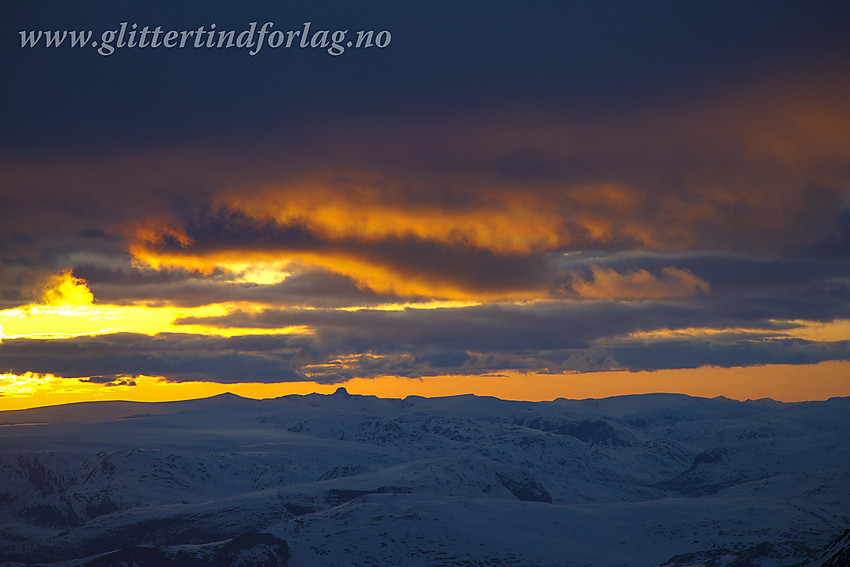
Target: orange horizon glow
784, 383
68, 309
556, 233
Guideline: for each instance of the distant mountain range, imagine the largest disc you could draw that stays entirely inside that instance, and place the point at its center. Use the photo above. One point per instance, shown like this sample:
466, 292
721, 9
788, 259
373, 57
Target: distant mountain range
651, 480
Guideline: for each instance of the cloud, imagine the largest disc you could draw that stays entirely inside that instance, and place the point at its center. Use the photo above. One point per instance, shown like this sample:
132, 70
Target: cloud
330, 359
469, 207
694, 354
494, 329
179, 357
301, 286
65, 289
20, 285
573, 212
605, 283
578, 55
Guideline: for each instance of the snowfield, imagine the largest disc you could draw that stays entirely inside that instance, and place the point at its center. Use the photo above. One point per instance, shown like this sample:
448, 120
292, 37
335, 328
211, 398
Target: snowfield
653, 480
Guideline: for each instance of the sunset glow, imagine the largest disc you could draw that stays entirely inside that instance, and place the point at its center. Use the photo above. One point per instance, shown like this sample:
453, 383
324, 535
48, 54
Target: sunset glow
479, 282
660, 205
68, 310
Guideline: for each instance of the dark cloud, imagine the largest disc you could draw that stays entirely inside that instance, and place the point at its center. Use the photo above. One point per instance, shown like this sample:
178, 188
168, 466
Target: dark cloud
747, 288
20, 285
584, 171
178, 357
593, 56
467, 267
183, 288
113, 358
473, 203
439, 335
693, 354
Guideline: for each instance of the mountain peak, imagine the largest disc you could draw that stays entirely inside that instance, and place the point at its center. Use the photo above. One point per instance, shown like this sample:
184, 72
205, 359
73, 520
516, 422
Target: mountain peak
228, 396
341, 392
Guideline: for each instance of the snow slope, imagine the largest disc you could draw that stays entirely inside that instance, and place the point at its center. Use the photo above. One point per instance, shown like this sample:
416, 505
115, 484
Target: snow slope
351, 480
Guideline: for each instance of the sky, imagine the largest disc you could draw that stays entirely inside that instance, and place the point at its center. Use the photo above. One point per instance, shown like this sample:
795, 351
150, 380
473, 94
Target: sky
529, 200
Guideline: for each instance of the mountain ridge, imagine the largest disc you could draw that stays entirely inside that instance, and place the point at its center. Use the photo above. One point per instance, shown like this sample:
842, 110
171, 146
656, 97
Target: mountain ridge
344, 479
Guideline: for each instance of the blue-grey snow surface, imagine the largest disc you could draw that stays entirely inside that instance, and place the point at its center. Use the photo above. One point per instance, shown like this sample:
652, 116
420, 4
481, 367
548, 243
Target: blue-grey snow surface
351, 480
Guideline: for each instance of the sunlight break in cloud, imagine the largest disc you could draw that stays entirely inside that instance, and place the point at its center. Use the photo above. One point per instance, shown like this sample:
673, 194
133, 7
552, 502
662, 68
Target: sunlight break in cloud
68, 309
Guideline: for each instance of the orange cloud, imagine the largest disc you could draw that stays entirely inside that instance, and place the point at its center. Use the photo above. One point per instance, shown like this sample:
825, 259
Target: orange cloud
757, 166
377, 276
607, 284
451, 211
501, 221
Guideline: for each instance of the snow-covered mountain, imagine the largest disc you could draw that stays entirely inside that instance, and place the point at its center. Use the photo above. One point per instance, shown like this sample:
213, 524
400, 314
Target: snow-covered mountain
351, 480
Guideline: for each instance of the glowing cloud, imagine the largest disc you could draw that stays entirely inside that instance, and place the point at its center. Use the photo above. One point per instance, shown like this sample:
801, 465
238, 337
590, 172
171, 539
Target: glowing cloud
66, 290
546, 229
68, 310
607, 284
